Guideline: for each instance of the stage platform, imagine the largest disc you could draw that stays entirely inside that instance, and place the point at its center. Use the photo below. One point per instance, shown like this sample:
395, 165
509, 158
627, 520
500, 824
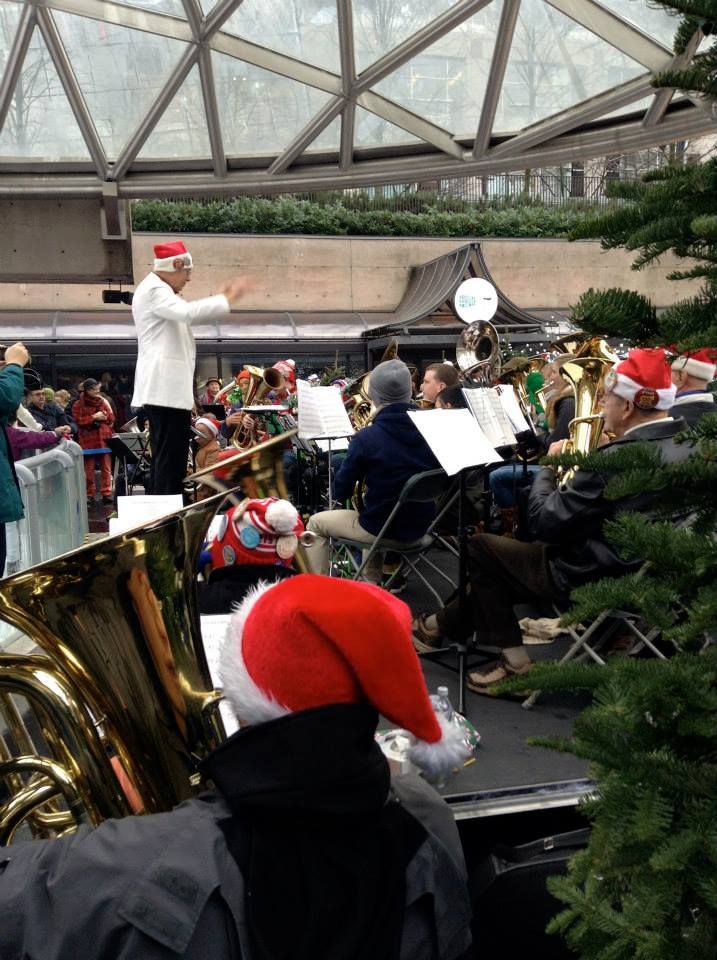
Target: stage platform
508, 775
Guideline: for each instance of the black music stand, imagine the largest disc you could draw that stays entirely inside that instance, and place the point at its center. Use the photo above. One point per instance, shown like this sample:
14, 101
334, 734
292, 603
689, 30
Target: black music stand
457, 441
460, 648
130, 450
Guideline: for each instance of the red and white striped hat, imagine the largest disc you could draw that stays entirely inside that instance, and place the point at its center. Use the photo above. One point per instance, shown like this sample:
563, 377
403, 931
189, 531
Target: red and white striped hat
644, 379
166, 255
312, 641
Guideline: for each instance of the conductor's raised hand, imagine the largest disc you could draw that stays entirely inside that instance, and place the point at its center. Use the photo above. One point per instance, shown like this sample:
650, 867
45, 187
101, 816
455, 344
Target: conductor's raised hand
18, 354
236, 288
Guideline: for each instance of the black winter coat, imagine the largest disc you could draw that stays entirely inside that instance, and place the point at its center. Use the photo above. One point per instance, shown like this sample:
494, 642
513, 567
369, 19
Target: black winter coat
386, 454
572, 519
692, 407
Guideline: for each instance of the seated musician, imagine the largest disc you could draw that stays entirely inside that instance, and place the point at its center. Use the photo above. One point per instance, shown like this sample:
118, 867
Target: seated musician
568, 523
560, 410
451, 398
305, 847
436, 378
691, 374
384, 456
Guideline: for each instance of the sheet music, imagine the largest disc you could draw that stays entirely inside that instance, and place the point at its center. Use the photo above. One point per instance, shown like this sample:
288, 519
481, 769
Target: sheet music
321, 412
214, 630
134, 511
501, 416
340, 443
484, 405
509, 401
455, 438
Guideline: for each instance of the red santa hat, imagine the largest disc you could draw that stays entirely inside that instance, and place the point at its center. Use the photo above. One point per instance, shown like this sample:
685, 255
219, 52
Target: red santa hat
287, 368
165, 255
644, 379
701, 364
312, 641
211, 423
256, 532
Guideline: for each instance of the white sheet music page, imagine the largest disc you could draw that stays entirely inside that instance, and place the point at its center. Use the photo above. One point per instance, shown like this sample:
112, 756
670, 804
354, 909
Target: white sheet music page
508, 437
480, 406
321, 412
509, 402
214, 630
455, 438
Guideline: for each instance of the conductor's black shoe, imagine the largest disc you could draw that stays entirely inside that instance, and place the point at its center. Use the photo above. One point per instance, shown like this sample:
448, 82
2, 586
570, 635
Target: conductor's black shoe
108, 500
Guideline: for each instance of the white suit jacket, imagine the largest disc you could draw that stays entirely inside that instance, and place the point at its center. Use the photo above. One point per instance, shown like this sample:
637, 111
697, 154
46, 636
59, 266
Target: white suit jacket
166, 350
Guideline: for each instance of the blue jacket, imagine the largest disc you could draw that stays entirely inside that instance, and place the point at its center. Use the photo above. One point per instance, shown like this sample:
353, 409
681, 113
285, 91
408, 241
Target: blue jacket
11, 390
385, 454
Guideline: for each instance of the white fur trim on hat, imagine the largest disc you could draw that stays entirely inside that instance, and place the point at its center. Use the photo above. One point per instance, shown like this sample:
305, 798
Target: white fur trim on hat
282, 515
206, 422
249, 703
440, 759
627, 388
695, 368
168, 262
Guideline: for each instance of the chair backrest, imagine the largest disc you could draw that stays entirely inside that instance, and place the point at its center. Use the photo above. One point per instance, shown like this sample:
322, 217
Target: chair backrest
424, 487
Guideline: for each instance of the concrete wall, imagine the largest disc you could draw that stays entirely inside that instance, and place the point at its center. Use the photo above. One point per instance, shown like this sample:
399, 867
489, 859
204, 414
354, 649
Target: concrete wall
363, 274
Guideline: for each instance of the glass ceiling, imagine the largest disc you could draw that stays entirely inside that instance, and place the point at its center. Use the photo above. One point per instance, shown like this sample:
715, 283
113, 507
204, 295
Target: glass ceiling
196, 96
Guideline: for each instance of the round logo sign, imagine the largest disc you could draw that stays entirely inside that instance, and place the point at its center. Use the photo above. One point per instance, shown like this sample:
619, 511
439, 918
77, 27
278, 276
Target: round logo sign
646, 399
476, 299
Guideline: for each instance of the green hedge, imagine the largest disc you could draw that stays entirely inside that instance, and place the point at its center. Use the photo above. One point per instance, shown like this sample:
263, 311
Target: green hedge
259, 215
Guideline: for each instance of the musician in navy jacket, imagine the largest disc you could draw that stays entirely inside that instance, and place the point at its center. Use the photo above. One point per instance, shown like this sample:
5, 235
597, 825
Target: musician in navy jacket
381, 457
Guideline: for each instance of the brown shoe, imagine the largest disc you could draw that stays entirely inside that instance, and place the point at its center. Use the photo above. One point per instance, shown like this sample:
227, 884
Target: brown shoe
423, 640
486, 681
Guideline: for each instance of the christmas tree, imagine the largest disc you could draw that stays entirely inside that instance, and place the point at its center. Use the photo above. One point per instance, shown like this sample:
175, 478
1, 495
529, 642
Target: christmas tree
646, 886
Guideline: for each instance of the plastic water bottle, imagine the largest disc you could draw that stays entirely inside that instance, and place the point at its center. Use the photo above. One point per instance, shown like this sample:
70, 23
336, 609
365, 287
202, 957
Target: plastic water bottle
442, 703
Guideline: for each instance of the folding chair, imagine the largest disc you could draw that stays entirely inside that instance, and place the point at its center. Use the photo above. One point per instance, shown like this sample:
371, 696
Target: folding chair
424, 487
590, 640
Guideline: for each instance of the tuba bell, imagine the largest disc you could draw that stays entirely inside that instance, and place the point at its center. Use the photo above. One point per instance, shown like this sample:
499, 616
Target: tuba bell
586, 374
478, 353
116, 714
261, 382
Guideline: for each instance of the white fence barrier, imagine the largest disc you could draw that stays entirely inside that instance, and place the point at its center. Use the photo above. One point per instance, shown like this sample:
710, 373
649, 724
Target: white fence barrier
52, 485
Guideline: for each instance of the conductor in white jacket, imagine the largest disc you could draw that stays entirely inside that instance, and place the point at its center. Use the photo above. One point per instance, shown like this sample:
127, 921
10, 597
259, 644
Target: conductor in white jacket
166, 354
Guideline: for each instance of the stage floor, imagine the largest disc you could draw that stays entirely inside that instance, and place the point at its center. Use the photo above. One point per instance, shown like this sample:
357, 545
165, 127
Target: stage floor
508, 773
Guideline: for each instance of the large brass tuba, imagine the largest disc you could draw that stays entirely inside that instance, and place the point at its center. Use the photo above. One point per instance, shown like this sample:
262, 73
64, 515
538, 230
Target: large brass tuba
119, 710
478, 353
358, 403
515, 373
586, 374
261, 382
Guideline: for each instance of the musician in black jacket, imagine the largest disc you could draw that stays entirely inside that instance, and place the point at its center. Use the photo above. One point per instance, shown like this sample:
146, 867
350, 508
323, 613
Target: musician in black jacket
568, 523
691, 373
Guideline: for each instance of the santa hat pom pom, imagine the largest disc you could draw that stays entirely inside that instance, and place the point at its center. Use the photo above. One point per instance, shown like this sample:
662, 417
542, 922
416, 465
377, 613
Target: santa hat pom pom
439, 760
282, 515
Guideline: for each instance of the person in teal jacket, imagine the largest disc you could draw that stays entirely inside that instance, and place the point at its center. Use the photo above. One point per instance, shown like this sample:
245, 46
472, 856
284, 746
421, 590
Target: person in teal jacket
11, 392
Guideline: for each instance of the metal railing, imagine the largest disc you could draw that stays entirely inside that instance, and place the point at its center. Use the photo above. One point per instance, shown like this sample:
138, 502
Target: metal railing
459, 194
52, 485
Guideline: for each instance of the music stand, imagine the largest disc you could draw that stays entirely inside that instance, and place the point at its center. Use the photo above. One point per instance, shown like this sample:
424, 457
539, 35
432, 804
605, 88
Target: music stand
129, 449
216, 410
460, 446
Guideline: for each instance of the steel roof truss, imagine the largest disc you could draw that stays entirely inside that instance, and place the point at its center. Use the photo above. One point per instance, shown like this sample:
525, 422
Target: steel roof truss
52, 39
501, 52
147, 125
